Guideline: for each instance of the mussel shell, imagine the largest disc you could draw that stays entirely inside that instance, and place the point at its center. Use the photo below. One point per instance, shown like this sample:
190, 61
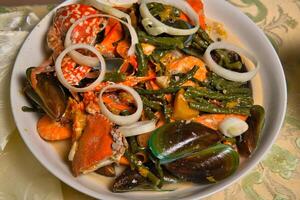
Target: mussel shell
48, 94
248, 141
179, 139
209, 165
108, 170
128, 180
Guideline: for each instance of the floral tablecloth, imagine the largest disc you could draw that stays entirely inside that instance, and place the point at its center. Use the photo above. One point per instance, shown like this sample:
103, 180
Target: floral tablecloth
276, 177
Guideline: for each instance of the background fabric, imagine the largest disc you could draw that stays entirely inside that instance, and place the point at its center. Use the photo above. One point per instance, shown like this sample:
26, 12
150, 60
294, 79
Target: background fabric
276, 177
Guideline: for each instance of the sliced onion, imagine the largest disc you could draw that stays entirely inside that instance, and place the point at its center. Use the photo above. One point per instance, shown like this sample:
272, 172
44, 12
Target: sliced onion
138, 128
155, 27
92, 61
225, 73
61, 77
106, 6
233, 127
113, 3
122, 120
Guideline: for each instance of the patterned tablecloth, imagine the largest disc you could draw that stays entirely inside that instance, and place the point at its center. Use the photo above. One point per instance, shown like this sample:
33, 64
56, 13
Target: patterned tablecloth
276, 177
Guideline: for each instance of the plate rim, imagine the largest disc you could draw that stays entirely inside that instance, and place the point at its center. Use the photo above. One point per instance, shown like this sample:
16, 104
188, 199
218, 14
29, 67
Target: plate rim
231, 180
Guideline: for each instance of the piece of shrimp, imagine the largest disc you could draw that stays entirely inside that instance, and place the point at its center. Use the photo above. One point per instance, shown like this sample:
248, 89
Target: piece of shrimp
213, 120
52, 130
185, 64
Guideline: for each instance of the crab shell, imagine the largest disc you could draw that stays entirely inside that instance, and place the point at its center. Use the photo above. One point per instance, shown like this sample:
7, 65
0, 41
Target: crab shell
98, 146
64, 17
85, 32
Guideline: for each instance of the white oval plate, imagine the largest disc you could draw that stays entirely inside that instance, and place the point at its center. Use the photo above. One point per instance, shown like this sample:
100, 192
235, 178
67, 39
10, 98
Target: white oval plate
274, 99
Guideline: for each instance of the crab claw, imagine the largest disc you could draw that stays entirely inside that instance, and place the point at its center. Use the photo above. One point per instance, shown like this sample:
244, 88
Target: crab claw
98, 146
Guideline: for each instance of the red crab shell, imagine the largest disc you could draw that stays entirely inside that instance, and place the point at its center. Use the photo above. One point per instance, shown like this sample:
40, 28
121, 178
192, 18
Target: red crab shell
84, 32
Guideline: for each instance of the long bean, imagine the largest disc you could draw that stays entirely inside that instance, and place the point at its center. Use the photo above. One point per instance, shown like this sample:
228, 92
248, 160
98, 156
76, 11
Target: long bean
149, 114
167, 111
142, 61
193, 52
114, 77
210, 108
186, 77
151, 104
233, 91
192, 92
220, 83
143, 170
161, 42
160, 91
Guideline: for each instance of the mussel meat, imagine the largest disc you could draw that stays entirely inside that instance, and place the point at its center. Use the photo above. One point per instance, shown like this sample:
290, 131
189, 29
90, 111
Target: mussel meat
248, 141
206, 166
47, 93
178, 139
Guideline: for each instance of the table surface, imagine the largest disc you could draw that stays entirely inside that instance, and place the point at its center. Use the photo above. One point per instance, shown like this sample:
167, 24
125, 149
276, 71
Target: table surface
276, 177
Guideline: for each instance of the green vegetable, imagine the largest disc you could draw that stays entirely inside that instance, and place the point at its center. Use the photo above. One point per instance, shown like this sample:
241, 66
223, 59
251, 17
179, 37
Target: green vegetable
207, 93
160, 91
114, 77
167, 111
161, 42
142, 61
186, 77
143, 170
151, 104
149, 114
204, 106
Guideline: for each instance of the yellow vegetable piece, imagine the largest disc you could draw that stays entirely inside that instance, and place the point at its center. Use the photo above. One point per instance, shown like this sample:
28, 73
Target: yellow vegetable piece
182, 110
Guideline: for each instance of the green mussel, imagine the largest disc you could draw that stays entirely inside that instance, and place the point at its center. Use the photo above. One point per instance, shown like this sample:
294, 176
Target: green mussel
248, 141
206, 166
179, 139
47, 94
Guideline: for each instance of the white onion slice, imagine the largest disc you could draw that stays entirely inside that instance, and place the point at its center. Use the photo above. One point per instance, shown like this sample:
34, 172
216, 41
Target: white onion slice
122, 120
106, 6
61, 77
92, 61
225, 73
138, 128
112, 3
233, 127
155, 27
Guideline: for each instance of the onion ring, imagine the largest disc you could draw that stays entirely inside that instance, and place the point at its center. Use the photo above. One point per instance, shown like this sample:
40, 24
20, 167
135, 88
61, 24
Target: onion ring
233, 127
155, 27
61, 77
91, 61
117, 119
107, 7
138, 128
225, 73
112, 3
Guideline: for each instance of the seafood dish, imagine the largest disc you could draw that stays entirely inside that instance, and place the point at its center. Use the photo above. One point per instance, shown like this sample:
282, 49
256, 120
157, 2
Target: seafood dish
151, 87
